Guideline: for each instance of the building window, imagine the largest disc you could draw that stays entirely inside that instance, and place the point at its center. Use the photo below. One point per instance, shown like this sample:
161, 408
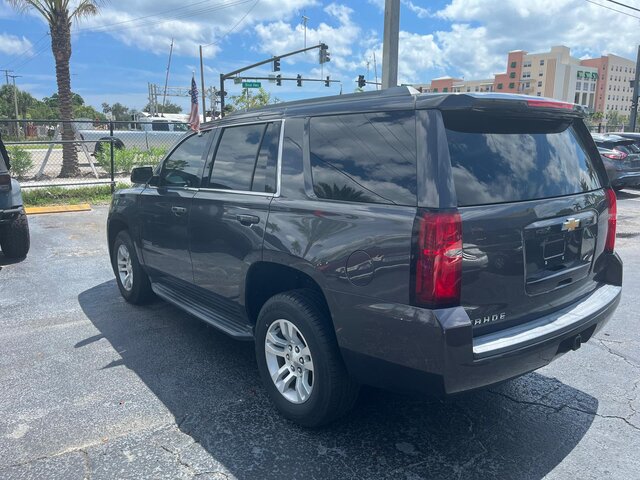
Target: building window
512, 75
540, 74
445, 89
526, 64
512, 85
468, 89
541, 62
578, 86
526, 74
435, 90
499, 86
539, 94
539, 84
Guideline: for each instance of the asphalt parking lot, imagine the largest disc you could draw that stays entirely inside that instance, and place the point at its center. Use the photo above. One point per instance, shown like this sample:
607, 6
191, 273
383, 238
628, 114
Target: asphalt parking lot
91, 387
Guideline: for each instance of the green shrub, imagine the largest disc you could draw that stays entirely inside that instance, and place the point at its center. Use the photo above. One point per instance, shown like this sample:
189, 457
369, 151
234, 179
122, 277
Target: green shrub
21, 161
125, 159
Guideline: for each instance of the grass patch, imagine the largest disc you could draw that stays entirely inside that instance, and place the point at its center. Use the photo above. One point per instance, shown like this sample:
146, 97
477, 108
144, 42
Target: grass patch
93, 194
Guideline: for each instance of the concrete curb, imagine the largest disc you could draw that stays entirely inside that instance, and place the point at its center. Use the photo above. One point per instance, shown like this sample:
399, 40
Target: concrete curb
82, 207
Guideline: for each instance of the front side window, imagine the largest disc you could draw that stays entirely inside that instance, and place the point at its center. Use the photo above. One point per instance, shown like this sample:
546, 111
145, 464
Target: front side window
246, 158
183, 167
365, 157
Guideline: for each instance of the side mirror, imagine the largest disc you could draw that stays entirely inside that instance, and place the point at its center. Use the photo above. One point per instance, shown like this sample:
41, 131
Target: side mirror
141, 174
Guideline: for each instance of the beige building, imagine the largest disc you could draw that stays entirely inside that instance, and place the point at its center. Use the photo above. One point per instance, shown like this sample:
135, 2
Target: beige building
600, 84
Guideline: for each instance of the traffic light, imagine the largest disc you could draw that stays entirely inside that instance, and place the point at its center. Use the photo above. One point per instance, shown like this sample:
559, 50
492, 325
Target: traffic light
276, 64
279, 80
325, 56
327, 82
299, 80
361, 81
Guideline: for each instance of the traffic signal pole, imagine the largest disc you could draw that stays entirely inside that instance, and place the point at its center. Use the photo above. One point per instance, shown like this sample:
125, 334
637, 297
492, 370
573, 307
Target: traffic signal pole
634, 103
225, 76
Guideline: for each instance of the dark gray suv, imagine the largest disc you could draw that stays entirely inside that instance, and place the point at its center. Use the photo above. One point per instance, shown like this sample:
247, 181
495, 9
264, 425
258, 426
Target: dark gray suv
14, 226
431, 243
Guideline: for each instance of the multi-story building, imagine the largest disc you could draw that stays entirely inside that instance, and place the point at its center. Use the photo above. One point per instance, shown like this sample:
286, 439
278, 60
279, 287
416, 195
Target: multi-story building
600, 84
614, 91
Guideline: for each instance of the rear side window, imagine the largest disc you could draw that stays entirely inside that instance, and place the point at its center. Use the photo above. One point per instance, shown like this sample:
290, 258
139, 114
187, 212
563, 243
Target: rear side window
367, 157
496, 160
246, 158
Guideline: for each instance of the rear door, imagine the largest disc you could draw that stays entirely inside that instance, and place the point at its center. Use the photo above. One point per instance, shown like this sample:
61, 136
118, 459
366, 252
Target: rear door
529, 190
229, 215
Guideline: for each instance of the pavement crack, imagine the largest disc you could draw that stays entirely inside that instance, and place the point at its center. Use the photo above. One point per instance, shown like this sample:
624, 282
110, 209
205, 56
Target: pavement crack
87, 464
616, 353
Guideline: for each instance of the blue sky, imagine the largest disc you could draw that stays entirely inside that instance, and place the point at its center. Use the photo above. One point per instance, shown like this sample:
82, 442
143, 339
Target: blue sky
117, 53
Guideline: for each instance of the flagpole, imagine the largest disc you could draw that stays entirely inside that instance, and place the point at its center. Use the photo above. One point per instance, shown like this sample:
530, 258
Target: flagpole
204, 105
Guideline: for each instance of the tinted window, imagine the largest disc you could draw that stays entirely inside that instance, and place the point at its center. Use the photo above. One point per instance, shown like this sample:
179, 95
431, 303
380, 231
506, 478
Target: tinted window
160, 126
498, 160
246, 158
368, 157
264, 176
183, 167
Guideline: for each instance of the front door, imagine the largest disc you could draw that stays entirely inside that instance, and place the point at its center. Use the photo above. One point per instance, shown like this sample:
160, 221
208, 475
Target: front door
165, 208
229, 216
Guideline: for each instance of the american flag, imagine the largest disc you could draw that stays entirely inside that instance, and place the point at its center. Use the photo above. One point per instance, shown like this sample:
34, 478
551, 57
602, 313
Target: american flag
194, 116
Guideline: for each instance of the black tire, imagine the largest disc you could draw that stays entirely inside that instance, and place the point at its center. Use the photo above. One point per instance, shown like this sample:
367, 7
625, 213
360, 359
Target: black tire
140, 291
14, 237
334, 392
104, 145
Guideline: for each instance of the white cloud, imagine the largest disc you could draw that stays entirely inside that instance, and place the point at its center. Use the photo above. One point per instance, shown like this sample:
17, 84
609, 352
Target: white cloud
483, 31
13, 45
280, 37
146, 25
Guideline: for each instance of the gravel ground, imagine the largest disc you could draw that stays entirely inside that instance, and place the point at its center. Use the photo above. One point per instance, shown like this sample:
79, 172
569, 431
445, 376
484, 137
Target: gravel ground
92, 387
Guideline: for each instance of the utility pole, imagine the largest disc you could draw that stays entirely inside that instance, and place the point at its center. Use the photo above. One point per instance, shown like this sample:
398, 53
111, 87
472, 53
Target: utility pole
375, 69
6, 74
166, 79
15, 102
204, 101
390, 43
634, 103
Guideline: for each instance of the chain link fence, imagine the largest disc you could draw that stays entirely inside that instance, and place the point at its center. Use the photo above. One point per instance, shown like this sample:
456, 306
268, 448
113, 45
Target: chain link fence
606, 128
47, 153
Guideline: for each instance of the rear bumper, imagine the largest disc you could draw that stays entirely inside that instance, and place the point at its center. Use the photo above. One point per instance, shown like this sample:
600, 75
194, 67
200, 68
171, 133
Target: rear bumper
9, 214
434, 351
625, 179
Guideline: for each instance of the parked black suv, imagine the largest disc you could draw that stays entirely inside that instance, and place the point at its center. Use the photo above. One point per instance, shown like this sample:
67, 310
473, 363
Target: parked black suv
436, 243
14, 226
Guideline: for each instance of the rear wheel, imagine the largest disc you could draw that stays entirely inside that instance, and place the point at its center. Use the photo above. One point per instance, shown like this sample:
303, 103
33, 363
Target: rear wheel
299, 360
14, 237
132, 280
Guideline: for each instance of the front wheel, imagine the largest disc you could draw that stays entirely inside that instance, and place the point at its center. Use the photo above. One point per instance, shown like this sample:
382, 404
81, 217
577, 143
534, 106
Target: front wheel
299, 360
133, 281
14, 237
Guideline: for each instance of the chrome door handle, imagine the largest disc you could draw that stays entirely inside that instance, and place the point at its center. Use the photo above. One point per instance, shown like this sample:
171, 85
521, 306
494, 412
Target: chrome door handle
178, 210
248, 220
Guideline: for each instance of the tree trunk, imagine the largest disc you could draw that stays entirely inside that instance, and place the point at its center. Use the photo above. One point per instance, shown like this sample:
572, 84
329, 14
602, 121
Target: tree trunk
61, 47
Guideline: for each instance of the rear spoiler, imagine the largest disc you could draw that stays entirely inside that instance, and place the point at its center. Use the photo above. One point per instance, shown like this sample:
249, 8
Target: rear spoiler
506, 104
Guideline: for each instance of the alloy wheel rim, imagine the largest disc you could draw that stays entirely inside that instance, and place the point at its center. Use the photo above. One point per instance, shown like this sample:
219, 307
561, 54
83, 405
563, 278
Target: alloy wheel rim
125, 269
289, 361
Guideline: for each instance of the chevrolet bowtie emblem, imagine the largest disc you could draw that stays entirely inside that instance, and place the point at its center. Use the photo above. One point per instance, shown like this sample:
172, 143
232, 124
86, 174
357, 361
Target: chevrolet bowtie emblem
570, 224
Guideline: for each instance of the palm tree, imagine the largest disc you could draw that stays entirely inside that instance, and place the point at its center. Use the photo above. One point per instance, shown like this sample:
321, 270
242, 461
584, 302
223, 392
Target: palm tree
59, 18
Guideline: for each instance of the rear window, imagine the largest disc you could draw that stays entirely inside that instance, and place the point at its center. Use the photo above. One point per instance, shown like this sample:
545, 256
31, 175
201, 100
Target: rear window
497, 160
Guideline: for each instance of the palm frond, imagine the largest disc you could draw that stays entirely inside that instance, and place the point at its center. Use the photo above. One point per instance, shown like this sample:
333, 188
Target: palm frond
86, 8
23, 5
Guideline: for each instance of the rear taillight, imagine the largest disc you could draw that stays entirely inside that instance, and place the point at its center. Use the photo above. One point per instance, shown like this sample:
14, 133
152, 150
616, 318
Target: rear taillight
613, 220
5, 181
615, 155
438, 259
550, 104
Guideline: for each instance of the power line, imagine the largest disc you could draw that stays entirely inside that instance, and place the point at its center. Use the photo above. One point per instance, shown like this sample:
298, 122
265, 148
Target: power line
186, 14
26, 50
613, 9
234, 27
624, 5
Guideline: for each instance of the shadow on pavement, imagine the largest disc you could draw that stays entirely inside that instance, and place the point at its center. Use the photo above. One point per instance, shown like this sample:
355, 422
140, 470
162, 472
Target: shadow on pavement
522, 429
